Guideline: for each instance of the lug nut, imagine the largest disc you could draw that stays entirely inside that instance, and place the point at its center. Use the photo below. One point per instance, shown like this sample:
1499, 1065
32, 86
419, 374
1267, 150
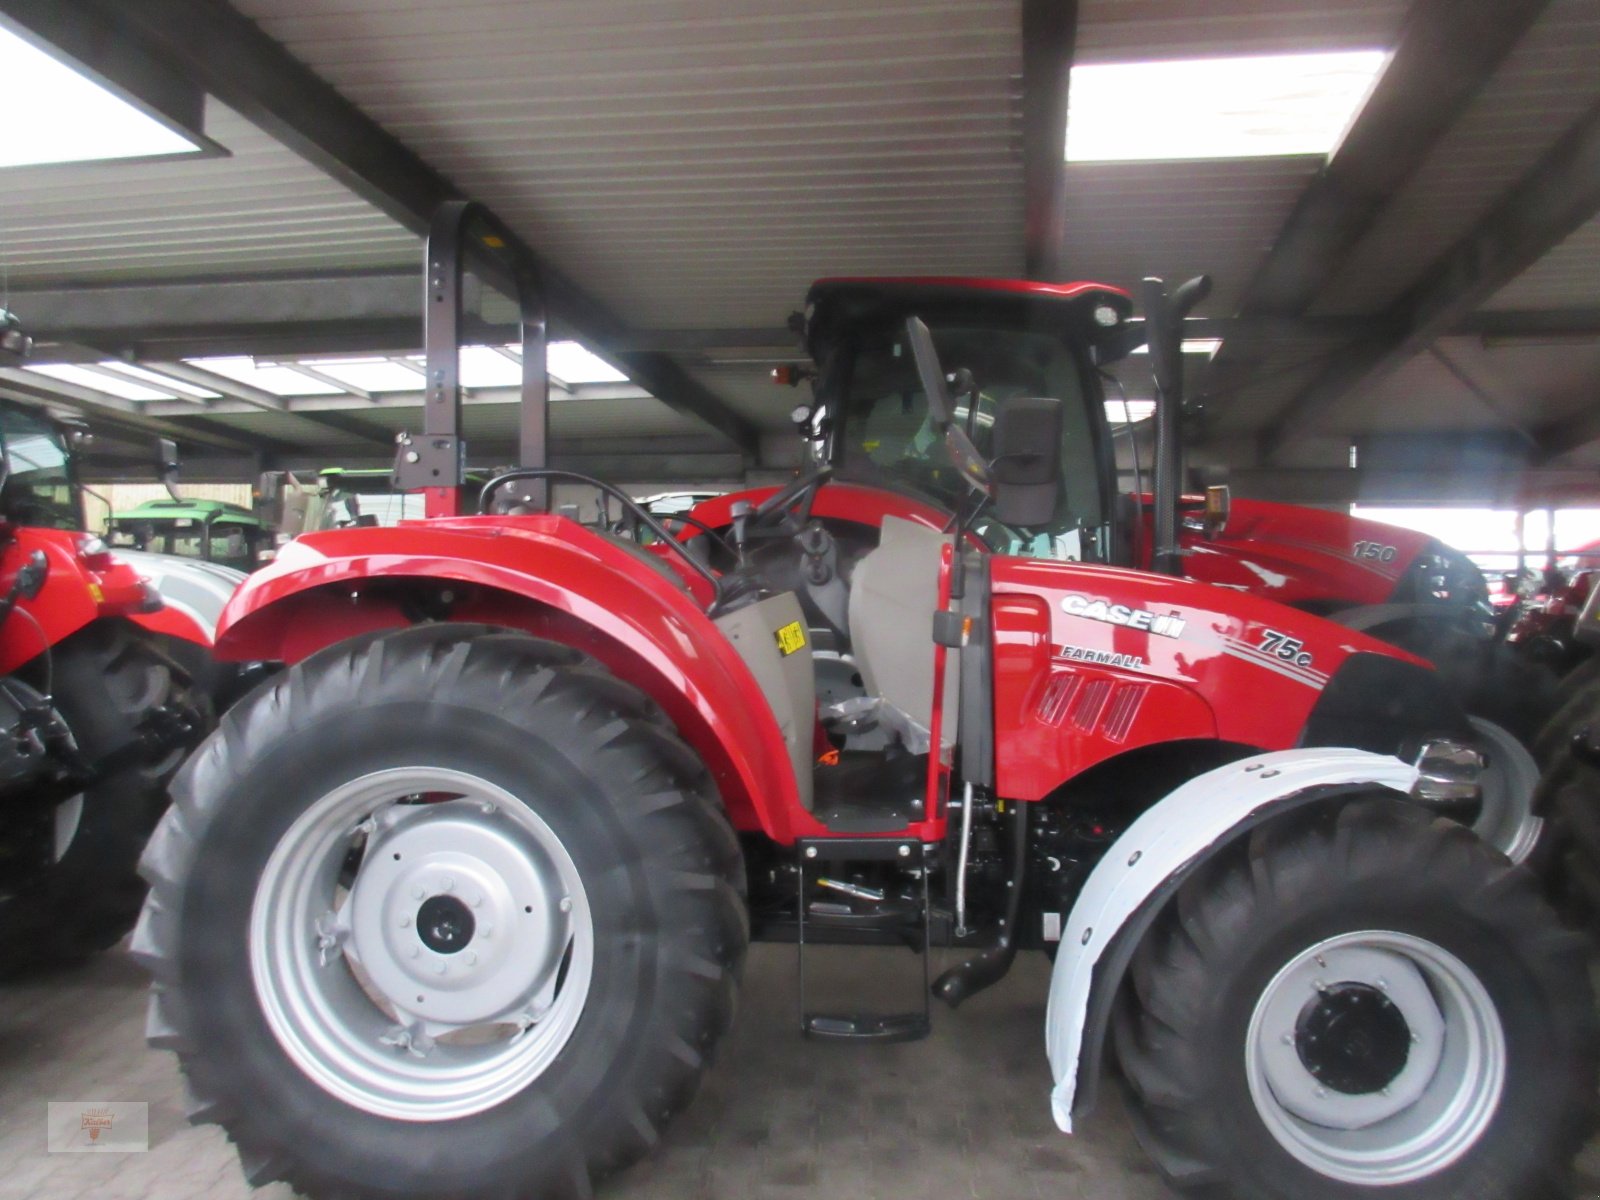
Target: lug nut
566, 904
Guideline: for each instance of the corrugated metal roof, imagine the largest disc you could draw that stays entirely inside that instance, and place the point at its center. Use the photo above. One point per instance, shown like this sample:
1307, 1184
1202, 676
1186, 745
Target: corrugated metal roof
1129, 220
1546, 83
700, 163
1131, 30
1568, 276
262, 208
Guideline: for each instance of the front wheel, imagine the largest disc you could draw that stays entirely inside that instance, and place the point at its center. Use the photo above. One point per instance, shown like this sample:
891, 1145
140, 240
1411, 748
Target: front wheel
449, 911
1361, 1003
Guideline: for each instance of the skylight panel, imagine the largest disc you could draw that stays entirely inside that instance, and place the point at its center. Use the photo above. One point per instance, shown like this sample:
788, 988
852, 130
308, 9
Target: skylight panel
83, 377
572, 362
1130, 412
280, 381
1217, 107
486, 367
70, 118
193, 391
1206, 346
371, 374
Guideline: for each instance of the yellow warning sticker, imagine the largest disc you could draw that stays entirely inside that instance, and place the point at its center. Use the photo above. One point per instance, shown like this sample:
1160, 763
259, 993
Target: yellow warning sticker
791, 637
95, 593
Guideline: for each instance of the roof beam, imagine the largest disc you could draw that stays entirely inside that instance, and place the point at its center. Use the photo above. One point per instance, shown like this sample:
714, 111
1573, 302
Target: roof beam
1560, 193
1445, 54
227, 54
1049, 41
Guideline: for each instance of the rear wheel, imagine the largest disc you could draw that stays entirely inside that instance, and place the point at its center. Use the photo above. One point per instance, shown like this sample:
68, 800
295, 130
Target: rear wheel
448, 911
1508, 698
1361, 1002
82, 892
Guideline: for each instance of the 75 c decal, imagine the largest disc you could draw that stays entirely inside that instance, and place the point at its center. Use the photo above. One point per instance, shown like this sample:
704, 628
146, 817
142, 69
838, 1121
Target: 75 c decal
1375, 550
1281, 645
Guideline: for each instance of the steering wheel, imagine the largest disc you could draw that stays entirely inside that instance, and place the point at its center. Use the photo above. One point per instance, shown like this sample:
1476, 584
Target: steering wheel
787, 509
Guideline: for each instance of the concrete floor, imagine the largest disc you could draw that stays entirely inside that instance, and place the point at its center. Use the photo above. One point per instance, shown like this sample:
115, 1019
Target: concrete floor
961, 1114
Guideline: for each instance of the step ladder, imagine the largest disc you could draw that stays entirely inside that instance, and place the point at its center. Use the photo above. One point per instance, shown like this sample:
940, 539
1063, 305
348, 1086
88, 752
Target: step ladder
859, 1026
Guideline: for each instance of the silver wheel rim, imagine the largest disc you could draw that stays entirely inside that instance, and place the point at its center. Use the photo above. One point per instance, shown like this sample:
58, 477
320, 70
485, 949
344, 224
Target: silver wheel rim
1424, 1119
449, 972
1505, 817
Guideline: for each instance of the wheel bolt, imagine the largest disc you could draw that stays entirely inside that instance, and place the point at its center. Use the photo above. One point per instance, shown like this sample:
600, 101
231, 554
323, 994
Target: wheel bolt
405, 922
470, 957
477, 902
566, 904
1322, 1093
1288, 1039
449, 884
1383, 985
1319, 985
414, 952
439, 969
418, 893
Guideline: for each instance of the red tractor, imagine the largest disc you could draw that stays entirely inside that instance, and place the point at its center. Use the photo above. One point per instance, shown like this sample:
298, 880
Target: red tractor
457, 904
871, 425
95, 715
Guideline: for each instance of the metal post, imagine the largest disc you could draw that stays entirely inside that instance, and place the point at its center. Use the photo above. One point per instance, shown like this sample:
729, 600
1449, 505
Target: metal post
435, 462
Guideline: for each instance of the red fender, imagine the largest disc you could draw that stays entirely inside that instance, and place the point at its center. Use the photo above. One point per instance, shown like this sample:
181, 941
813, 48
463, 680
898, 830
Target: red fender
553, 578
78, 589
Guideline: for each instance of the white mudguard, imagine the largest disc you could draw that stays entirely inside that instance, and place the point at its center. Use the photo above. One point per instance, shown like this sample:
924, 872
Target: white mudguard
195, 588
1178, 829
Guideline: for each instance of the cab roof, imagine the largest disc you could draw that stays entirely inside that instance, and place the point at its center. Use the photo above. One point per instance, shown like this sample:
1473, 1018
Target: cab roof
192, 510
1097, 312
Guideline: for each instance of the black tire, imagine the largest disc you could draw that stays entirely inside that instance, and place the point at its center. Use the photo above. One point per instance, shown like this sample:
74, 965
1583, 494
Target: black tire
1487, 676
599, 763
1578, 703
1184, 1028
108, 679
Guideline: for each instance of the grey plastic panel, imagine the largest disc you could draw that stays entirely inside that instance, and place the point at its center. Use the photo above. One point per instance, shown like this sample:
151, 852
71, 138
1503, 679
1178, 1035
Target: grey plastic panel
787, 680
893, 595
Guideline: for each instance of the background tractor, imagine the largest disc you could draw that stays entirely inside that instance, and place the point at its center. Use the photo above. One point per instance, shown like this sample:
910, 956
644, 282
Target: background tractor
95, 714
458, 903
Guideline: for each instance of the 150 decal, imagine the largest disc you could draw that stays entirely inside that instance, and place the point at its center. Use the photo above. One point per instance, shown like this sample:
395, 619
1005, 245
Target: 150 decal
1377, 551
1281, 645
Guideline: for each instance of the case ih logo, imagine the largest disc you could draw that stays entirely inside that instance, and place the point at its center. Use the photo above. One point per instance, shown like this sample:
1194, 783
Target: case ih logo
1164, 624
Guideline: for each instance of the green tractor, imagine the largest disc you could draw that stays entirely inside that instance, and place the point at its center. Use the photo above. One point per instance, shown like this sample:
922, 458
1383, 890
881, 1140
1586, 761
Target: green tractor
211, 530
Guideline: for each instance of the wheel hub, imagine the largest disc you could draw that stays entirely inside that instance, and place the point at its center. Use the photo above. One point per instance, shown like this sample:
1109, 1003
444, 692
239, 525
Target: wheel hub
1353, 1039
457, 916
445, 925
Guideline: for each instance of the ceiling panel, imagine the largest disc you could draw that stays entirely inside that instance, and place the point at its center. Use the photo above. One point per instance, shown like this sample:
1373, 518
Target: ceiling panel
262, 208
1547, 82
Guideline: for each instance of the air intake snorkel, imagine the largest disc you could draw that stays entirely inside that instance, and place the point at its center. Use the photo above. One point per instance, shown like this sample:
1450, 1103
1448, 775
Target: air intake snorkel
1163, 322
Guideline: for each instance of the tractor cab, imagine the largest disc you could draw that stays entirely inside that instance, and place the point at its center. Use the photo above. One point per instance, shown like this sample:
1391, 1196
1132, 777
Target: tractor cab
872, 422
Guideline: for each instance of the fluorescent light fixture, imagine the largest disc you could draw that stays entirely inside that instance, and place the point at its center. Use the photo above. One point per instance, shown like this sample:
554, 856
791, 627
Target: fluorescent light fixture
83, 377
172, 385
1217, 107
1206, 346
280, 381
61, 116
1130, 413
370, 374
571, 362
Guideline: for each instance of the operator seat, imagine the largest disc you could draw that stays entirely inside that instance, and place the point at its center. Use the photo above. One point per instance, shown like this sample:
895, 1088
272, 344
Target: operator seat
894, 593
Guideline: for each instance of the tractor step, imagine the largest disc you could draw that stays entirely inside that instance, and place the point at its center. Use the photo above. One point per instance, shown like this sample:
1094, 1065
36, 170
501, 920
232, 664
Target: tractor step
913, 923
870, 791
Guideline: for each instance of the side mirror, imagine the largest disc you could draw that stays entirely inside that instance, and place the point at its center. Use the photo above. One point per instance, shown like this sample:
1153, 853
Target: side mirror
941, 410
1026, 469
167, 465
